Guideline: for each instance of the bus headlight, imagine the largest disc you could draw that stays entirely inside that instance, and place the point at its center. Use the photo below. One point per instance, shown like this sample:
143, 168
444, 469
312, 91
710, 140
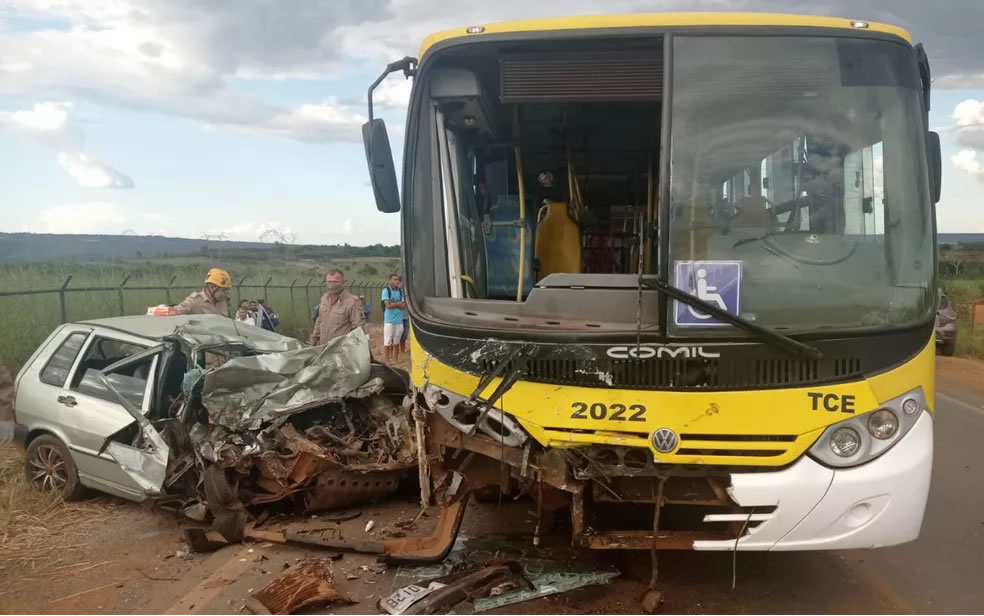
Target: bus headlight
883, 424
864, 437
845, 441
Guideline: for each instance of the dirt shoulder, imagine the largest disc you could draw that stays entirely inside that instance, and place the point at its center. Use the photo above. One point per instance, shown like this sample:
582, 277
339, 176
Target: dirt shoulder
961, 376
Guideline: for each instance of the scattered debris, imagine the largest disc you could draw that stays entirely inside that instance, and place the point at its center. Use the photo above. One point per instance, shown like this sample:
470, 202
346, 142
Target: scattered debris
308, 583
458, 588
369, 525
548, 570
651, 601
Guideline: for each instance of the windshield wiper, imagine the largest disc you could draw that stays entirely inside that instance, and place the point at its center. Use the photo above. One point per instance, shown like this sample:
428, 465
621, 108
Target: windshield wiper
781, 341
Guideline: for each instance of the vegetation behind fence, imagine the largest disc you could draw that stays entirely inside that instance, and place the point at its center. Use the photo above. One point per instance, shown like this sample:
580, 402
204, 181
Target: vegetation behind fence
30, 315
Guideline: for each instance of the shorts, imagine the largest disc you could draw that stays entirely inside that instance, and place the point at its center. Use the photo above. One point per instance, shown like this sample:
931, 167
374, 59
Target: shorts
392, 333
406, 331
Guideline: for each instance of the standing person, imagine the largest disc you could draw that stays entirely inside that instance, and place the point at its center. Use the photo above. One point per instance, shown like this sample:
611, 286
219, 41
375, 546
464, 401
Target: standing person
243, 315
339, 313
366, 307
213, 298
268, 318
392, 298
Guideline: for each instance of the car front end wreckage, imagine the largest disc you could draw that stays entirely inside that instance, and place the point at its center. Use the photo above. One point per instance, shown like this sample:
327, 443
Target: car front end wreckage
257, 418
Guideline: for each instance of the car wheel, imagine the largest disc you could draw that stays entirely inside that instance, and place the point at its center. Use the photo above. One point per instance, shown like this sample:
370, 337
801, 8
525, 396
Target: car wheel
948, 348
49, 467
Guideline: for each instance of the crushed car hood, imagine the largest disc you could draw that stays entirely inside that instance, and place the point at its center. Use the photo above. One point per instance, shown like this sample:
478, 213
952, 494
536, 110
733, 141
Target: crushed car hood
246, 392
208, 333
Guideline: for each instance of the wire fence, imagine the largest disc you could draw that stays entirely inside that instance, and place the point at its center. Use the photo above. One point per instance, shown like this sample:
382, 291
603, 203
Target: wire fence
171, 294
30, 315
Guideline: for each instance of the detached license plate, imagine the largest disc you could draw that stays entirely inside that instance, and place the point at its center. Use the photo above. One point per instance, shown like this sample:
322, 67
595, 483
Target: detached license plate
407, 596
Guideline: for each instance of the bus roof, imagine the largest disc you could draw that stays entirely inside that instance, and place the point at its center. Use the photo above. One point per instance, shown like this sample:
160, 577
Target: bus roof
637, 20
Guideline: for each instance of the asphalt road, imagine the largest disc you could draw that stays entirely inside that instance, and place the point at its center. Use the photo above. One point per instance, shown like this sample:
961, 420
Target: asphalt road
941, 572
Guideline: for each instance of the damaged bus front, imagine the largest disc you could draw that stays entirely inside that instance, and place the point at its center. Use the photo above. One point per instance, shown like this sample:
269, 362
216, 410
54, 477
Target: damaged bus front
674, 274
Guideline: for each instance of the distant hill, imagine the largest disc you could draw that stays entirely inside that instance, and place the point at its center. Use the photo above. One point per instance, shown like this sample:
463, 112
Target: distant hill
961, 238
43, 247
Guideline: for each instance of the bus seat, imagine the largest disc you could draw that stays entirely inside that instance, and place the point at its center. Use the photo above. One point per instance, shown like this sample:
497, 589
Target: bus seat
502, 249
558, 241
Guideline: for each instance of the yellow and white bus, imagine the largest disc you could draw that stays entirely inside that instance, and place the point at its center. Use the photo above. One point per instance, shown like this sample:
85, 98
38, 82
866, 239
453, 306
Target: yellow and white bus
674, 274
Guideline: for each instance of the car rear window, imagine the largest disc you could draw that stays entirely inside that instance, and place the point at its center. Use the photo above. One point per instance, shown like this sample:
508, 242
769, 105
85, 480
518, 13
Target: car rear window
57, 369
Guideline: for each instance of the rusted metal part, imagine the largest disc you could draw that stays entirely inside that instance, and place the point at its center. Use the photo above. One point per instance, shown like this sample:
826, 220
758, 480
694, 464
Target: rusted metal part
422, 550
337, 487
648, 540
309, 582
423, 467
677, 491
468, 587
325, 540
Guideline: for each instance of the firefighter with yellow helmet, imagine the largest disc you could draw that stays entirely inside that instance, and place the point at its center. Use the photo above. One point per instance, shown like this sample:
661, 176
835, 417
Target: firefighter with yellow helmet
213, 299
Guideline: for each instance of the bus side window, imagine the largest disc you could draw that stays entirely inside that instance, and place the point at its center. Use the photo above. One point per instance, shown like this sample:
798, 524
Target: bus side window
864, 211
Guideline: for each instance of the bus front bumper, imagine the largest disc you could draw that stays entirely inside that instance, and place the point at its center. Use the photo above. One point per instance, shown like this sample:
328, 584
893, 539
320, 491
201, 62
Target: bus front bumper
880, 503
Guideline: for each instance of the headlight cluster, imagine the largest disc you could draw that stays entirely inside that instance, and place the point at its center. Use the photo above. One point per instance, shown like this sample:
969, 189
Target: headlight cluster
864, 437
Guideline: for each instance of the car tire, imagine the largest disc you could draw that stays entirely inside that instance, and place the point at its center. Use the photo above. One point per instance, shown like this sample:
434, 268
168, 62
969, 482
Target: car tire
948, 349
49, 466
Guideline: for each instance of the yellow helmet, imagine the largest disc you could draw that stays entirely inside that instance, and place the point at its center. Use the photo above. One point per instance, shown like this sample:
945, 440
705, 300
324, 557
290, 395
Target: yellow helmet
219, 277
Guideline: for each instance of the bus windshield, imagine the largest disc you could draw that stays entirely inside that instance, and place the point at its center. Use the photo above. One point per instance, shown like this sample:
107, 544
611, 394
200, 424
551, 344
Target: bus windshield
798, 182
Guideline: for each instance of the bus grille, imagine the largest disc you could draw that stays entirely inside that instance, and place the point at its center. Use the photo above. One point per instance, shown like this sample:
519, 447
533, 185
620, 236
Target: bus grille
685, 373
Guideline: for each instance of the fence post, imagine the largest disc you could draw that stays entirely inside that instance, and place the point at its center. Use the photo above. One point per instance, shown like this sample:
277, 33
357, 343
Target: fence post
293, 310
265, 285
120, 291
307, 291
167, 290
239, 290
61, 299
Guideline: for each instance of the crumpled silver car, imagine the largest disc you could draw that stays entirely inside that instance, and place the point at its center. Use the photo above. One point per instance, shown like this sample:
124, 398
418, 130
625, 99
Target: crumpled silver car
142, 406
946, 326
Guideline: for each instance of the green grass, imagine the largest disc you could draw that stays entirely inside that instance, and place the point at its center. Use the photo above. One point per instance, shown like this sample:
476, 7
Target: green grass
963, 293
28, 320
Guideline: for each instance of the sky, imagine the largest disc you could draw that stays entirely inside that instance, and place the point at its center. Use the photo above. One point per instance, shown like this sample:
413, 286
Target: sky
242, 118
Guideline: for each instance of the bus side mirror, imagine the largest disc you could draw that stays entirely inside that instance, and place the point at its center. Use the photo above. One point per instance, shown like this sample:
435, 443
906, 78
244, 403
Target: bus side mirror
382, 172
935, 164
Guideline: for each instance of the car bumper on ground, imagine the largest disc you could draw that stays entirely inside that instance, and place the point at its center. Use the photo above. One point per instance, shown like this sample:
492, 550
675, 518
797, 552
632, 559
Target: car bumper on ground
877, 504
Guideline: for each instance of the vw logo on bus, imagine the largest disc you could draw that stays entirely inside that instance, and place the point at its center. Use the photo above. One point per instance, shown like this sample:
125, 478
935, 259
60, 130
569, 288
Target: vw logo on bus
665, 440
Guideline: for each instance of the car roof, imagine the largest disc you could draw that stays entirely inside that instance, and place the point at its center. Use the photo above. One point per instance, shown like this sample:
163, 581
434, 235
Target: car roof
155, 328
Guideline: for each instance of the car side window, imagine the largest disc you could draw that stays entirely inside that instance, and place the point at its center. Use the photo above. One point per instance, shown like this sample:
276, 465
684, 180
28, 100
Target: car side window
130, 382
55, 372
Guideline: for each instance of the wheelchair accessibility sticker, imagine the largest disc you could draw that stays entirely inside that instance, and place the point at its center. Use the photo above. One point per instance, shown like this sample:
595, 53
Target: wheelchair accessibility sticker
715, 282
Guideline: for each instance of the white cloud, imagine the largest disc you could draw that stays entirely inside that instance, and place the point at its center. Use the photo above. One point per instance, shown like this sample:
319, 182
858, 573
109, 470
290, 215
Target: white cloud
90, 173
52, 123
96, 217
179, 57
969, 113
967, 161
45, 117
324, 121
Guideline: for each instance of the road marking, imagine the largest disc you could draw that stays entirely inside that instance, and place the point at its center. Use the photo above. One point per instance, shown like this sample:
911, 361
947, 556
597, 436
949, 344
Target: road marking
957, 401
207, 589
